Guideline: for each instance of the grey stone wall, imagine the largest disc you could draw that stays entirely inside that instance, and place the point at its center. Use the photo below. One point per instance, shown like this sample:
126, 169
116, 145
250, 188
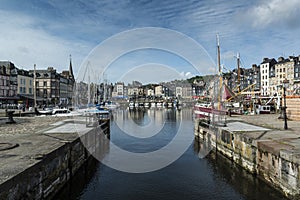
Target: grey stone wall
51, 173
279, 168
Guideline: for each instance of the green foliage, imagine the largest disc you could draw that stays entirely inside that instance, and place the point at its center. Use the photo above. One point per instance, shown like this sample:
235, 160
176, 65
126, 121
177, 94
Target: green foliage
197, 78
206, 78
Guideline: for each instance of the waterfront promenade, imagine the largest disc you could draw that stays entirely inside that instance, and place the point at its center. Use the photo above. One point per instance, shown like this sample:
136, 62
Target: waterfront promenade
39, 154
280, 138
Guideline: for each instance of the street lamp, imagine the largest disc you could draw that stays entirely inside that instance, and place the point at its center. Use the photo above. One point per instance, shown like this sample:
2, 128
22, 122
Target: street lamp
285, 85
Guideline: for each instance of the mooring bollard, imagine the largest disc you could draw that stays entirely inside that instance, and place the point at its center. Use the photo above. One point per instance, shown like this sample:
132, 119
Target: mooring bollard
10, 117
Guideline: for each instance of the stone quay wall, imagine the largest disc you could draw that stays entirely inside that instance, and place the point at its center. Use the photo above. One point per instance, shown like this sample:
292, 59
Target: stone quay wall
276, 163
45, 178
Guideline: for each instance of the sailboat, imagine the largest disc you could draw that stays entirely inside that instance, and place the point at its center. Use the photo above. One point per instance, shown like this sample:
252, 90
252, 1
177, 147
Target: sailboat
215, 109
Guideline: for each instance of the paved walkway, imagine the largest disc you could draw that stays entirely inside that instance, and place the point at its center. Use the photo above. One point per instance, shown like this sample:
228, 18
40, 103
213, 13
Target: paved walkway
25, 143
272, 134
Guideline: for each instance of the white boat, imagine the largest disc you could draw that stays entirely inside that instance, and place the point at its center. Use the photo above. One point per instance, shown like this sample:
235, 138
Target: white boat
46, 111
159, 104
64, 112
131, 104
111, 105
60, 111
202, 110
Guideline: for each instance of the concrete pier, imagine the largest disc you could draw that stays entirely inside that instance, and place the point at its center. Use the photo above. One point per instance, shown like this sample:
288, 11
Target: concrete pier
37, 158
260, 145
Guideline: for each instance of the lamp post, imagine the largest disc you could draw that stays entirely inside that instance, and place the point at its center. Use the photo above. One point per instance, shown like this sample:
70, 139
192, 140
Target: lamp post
285, 85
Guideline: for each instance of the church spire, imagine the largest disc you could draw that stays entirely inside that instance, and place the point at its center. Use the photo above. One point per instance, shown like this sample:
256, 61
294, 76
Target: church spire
70, 68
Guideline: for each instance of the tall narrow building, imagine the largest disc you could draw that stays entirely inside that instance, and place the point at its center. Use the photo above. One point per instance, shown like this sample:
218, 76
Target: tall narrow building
71, 69
67, 83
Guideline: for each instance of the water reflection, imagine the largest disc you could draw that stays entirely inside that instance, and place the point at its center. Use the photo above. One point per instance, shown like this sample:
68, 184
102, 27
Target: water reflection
250, 186
189, 177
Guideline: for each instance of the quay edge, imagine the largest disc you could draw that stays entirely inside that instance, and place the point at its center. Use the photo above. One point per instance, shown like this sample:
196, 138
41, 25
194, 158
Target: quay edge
270, 153
54, 160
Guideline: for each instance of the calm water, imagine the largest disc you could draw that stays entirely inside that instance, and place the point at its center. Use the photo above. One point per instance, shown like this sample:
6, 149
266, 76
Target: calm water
189, 177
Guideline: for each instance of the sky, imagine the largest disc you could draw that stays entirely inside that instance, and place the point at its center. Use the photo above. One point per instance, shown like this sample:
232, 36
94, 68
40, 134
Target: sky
134, 40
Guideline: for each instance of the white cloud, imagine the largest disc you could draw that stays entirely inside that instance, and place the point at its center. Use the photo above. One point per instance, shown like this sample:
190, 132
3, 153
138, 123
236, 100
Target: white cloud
46, 33
275, 12
24, 44
186, 75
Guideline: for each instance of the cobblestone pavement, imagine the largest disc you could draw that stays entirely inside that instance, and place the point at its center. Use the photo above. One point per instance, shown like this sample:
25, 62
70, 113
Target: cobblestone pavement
28, 125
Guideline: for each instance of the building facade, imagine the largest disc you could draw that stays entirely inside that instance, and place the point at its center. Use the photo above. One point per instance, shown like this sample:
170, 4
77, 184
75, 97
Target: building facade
66, 86
25, 82
265, 68
296, 87
47, 84
8, 83
25, 88
118, 91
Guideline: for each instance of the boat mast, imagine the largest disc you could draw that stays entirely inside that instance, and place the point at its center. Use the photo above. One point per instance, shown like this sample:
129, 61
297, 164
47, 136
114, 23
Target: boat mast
34, 86
219, 56
89, 90
89, 83
238, 73
220, 72
104, 87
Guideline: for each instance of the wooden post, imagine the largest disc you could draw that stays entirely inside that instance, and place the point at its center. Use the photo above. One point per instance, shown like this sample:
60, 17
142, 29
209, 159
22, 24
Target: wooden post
34, 86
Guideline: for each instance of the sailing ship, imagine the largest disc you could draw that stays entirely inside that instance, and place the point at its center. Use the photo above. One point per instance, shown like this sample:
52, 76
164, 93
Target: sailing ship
209, 110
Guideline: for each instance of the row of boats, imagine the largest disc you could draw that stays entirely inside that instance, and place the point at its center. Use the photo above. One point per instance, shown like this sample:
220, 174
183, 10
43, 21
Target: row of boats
153, 104
206, 110
65, 112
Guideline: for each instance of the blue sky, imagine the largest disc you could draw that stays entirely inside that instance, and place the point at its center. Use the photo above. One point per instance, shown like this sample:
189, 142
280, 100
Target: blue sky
47, 32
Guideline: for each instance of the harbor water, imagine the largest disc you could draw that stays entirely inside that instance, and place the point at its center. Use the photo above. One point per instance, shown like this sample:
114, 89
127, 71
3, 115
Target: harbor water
188, 177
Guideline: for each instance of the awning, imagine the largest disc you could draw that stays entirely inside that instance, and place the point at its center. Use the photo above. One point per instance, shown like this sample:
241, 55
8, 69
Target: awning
10, 98
30, 96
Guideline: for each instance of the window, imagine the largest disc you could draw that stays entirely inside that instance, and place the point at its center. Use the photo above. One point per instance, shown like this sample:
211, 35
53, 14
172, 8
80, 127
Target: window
30, 91
283, 69
45, 83
30, 82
